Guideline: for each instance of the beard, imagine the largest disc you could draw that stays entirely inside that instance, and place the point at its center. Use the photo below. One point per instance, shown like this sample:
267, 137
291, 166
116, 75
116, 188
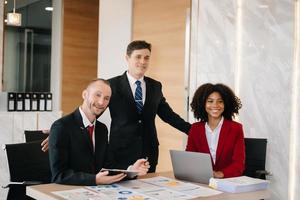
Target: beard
97, 110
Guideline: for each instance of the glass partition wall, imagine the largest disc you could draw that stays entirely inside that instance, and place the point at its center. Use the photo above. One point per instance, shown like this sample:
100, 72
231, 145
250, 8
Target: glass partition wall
27, 48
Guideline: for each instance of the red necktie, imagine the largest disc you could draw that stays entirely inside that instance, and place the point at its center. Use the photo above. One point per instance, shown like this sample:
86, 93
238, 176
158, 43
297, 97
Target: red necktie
91, 131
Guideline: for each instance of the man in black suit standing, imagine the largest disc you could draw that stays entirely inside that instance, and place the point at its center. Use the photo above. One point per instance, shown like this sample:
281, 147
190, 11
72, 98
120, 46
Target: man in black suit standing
135, 102
78, 142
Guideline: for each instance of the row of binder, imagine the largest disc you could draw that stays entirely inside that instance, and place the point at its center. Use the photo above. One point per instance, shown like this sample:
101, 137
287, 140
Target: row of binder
18, 101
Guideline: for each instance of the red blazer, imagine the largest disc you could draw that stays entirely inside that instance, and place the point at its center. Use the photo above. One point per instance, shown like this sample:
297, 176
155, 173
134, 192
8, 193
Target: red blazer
230, 157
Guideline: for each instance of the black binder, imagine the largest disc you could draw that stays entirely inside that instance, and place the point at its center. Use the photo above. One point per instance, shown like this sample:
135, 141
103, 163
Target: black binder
11, 101
48, 101
20, 102
42, 101
34, 102
27, 97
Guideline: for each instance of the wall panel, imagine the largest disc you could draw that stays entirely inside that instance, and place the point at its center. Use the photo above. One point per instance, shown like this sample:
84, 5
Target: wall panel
80, 49
162, 23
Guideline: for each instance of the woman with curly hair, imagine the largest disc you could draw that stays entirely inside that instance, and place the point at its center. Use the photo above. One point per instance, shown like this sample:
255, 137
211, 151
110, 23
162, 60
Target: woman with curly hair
215, 105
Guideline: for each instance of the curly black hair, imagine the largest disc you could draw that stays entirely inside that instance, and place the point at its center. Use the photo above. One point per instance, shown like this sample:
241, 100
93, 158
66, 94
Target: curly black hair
232, 103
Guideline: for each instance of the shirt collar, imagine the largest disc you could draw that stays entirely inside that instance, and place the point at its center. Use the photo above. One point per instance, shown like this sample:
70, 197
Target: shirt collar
218, 126
86, 122
132, 80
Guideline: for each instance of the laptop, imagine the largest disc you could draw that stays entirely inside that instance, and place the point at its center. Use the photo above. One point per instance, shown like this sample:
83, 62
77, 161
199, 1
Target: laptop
191, 166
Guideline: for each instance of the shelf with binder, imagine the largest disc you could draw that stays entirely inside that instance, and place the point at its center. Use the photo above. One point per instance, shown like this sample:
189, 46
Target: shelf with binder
36, 101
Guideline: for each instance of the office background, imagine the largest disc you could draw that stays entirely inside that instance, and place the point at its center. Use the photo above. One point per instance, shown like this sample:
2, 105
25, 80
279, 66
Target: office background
252, 46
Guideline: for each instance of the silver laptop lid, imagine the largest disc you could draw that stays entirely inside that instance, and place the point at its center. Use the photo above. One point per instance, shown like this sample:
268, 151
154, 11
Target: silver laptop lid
191, 166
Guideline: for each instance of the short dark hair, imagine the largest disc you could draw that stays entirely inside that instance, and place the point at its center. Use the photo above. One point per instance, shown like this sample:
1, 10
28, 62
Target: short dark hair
136, 45
232, 103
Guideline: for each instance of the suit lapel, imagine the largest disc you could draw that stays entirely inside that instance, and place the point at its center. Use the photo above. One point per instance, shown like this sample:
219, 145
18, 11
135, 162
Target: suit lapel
203, 144
83, 131
99, 147
222, 138
125, 90
148, 91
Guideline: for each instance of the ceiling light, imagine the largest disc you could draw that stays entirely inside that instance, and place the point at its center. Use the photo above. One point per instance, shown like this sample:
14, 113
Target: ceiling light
49, 8
14, 19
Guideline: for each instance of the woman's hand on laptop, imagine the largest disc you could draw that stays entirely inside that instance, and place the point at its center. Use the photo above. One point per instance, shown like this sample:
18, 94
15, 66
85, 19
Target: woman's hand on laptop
218, 174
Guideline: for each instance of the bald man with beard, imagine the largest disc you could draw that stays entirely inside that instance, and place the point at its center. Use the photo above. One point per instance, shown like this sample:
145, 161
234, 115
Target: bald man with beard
76, 157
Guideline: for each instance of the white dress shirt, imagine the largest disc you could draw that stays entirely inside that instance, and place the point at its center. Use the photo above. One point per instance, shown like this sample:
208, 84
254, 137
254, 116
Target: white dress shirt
86, 122
212, 137
133, 86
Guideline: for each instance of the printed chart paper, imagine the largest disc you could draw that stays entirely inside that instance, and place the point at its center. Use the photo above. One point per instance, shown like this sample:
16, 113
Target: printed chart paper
80, 194
118, 192
157, 188
190, 189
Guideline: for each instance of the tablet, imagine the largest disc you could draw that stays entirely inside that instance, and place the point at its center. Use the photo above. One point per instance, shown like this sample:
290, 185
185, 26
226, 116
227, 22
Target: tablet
129, 174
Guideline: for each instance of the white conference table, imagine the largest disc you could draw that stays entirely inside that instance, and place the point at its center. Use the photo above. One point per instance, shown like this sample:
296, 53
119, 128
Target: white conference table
44, 191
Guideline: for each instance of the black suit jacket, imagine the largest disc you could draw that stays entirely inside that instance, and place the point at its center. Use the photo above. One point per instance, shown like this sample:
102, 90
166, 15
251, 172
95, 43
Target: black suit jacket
71, 154
133, 135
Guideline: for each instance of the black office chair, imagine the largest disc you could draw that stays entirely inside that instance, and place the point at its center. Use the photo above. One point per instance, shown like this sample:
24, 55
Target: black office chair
37, 135
256, 149
28, 165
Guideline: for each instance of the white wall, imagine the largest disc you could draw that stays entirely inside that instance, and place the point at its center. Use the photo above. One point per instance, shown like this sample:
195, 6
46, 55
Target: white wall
115, 30
115, 33
251, 47
56, 53
1, 41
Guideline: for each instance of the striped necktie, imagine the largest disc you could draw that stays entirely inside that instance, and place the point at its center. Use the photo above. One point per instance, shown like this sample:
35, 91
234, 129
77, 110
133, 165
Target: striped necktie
138, 96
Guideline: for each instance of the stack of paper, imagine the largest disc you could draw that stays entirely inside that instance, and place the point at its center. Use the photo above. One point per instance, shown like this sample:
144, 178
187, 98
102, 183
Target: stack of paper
238, 184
